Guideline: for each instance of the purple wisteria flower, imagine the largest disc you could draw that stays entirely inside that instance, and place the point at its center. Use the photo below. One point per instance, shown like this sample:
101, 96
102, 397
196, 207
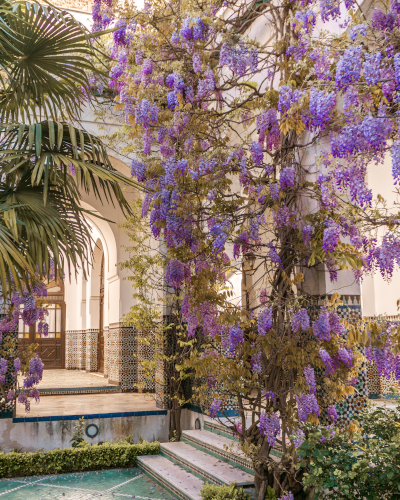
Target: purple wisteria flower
287, 496
11, 395
332, 413
177, 272
307, 232
305, 20
395, 153
349, 67
335, 325
287, 178
301, 320
138, 169
34, 394
382, 21
322, 64
265, 321
371, 68
269, 395
196, 62
307, 406
233, 339
214, 408
17, 364
298, 438
268, 129
120, 33
331, 238
257, 154
3, 366
273, 255
270, 427
239, 59
255, 362
322, 327
287, 97
310, 378
320, 109
345, 356
219, 231
330, 9
328, 362
274, 191
360, 29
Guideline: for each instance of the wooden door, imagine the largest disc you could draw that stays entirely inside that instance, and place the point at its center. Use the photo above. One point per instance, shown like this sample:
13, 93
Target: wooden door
51, 348
100, 359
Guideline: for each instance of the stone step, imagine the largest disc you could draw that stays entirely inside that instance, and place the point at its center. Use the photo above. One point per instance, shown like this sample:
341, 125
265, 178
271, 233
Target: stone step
176, 480
205, 465
218, 446
219, 429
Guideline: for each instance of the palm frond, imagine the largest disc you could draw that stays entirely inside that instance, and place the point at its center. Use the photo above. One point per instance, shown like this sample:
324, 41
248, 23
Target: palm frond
44, 237
48, 150
46, 55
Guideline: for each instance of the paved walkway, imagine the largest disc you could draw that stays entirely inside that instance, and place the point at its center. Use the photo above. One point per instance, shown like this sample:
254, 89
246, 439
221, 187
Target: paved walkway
104, 485
389, 403
68, 379
88, 404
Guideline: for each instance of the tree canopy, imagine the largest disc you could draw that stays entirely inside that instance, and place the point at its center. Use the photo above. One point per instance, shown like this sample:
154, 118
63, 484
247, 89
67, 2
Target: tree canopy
253, 126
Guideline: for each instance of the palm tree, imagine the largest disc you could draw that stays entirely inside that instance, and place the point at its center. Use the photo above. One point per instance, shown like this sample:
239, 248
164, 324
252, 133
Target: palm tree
45, 58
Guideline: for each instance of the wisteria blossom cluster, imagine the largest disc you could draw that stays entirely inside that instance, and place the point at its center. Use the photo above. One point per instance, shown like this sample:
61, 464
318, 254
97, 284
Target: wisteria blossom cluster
27, 308
254, 167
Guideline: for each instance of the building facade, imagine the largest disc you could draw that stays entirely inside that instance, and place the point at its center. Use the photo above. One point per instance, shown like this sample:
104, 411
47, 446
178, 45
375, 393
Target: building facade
86, 314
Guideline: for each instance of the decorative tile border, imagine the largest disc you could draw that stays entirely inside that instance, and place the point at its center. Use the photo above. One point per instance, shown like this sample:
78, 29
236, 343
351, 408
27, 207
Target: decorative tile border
80, 390
392, 397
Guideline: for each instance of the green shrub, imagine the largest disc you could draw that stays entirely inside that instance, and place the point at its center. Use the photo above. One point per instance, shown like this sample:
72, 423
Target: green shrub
214, 492
83, 457
363, 465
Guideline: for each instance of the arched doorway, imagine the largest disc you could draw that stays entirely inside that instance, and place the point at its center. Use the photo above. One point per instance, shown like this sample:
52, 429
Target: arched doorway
51, 348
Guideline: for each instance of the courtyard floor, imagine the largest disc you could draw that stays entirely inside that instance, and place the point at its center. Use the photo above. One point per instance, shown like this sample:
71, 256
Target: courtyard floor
106, 484
68, 379
88, 404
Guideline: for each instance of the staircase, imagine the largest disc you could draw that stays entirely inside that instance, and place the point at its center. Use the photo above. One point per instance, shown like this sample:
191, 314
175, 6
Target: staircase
209, 455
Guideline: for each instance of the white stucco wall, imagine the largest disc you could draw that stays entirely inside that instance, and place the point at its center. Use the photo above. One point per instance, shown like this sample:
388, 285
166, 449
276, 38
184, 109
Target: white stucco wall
49, 435
380, 296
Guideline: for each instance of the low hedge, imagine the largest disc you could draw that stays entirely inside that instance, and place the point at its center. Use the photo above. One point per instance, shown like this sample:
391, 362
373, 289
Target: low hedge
86, 457
224, 492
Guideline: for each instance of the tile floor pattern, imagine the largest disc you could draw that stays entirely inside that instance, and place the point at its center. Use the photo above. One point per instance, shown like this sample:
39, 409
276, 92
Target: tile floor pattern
62, 379
104, 485
89, 404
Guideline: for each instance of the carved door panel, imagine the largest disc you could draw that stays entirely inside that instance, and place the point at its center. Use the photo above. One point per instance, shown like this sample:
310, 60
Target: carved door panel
51, 348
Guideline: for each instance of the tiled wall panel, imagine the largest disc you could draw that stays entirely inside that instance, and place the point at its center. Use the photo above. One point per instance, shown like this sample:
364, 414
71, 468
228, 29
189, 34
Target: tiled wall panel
92, 338
75, 346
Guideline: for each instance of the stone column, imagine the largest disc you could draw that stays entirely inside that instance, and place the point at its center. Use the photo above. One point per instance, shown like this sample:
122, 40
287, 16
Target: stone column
92, 338
106, 351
